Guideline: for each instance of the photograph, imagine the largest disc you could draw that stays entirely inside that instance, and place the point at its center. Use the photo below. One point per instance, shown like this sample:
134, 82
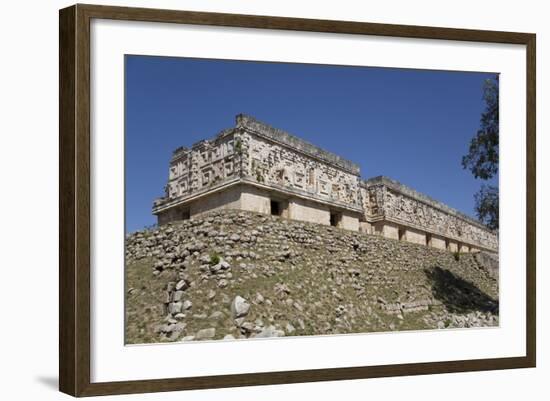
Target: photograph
276, 199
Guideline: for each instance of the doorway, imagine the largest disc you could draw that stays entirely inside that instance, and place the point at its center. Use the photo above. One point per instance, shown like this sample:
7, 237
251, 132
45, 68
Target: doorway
335, 219
275, 208
401, 234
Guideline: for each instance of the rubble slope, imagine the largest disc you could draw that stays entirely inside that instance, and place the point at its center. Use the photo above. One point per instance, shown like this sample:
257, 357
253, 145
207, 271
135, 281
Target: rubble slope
234, 274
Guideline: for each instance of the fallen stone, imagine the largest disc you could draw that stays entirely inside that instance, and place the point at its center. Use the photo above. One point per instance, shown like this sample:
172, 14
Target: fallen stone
182, 285
270, 331
205, 334
216, 315
290, 328
239, 307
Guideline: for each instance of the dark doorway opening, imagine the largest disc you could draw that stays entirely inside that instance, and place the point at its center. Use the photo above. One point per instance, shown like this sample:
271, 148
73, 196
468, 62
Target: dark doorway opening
275, 208
401, 234
335, 219
428, 239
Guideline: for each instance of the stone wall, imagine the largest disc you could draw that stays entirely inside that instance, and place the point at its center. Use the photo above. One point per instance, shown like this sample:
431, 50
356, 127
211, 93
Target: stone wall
256, 167
221, 200
389, 201
300, 278
274, 164
207, 165
277, 165
254, 126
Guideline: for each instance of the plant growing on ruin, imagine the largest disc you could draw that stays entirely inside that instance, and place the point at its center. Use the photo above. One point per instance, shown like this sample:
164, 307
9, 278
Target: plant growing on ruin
259, 176
456, 255
238, 146
214, 258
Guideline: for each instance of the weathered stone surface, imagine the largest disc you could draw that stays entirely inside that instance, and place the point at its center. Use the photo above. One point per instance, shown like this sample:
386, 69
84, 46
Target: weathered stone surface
239, 307
411, 209
175, 307
205, 334
270, 331
263, 159
216, 315
300, 278
182, 285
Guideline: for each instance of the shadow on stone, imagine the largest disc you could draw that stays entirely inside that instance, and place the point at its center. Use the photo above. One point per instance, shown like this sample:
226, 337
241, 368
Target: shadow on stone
457, 294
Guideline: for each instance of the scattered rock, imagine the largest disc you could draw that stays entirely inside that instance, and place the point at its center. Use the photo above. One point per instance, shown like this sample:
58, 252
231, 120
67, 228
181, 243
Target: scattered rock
182, 285
290, 328
293, 272
259, 298
270, 331
216, 315
239, 307
205, 334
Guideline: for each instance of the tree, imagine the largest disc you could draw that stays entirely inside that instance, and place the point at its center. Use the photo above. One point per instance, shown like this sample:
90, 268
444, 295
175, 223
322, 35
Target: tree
487, 205
483, 155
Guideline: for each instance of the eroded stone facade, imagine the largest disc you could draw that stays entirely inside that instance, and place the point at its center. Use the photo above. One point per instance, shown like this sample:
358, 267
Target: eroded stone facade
256, 167
402, 211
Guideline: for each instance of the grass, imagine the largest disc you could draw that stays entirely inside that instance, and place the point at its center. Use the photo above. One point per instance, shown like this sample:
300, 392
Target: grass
318, 279
144, 308
214, 258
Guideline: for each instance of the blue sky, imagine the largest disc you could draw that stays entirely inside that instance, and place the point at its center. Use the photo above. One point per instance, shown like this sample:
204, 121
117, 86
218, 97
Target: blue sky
410, 125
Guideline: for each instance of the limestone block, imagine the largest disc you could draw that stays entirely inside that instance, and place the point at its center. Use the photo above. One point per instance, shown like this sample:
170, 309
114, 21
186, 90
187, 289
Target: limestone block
453, 246
437, 242
349, 222
300, 209
255, 200
390, 231
416, 237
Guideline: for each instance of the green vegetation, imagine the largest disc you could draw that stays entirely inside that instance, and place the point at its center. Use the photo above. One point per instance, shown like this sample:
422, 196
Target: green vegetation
238, 146
214, 258
483, 155
313, 279
259, 176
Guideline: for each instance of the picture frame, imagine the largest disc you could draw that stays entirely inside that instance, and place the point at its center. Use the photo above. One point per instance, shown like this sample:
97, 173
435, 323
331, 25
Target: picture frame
75, 199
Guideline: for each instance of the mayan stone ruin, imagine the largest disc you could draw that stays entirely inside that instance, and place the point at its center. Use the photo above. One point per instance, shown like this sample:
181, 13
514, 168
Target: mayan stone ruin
257, 168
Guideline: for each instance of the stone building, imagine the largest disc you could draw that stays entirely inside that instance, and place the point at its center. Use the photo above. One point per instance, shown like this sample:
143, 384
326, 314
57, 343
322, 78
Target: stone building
258, 168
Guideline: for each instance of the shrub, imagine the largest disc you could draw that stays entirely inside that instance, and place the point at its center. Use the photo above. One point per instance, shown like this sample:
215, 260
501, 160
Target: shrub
214, 258
259, 176
456, 255
238, 147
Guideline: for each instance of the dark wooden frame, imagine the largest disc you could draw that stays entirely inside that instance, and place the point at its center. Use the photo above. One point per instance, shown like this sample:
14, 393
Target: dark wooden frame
74, 199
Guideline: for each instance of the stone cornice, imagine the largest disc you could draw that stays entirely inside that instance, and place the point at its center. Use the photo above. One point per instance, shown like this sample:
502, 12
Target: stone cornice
411, 193
250, 181
297, 144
